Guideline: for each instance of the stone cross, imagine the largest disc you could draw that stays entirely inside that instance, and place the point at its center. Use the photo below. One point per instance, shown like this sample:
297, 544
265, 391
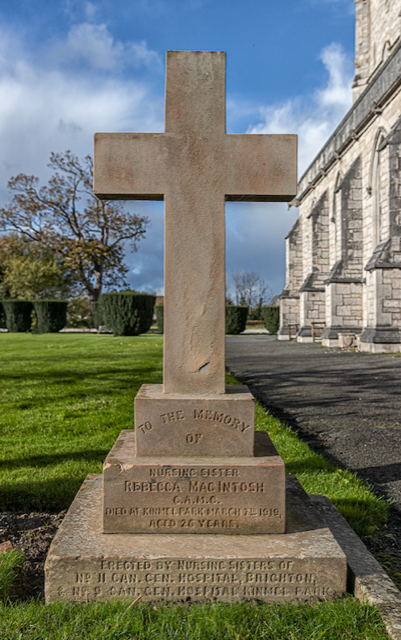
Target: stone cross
194, 166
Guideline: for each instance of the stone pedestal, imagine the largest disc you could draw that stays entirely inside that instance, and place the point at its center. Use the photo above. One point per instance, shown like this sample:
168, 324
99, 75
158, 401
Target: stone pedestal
193, 494
85, 564
181, 425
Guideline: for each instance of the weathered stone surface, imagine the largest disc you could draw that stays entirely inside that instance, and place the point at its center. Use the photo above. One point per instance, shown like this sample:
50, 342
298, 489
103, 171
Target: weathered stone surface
84, 564
173, 424
193, 494
195, 167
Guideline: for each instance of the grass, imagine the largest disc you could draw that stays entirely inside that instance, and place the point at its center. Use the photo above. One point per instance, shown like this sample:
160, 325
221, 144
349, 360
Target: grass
341, 619
65, 399
11, 564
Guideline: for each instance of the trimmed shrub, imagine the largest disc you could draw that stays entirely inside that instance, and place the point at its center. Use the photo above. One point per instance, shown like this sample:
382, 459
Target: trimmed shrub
159, 311
236, 319
51, 315
271, 317
127, 313
97, 314
18, 315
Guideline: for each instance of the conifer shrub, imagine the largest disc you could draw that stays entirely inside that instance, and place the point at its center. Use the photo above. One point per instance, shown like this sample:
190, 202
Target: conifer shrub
2, 316
18, 315
127, 313
51, 315
159, 311
97, 314
271, 317
236, 319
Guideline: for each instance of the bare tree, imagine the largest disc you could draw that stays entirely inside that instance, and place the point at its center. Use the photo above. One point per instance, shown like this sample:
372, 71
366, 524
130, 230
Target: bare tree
250, 289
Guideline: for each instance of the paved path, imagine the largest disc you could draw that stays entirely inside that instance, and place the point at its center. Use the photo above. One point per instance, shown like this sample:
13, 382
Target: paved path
346, 405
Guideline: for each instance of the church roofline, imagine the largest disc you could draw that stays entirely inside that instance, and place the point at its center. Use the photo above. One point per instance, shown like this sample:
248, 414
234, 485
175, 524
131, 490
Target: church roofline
383, 84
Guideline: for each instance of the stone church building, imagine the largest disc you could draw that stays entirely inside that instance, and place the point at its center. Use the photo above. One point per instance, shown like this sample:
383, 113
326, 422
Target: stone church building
343, 254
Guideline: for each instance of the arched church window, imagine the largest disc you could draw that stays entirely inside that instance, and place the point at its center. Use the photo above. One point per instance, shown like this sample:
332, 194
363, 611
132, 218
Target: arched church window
377, 190
336, 219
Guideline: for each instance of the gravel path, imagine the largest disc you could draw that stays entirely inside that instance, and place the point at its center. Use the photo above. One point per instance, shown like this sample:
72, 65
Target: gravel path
346, 405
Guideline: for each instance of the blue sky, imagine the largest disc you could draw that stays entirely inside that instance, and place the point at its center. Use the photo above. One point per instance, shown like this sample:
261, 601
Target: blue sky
69, 68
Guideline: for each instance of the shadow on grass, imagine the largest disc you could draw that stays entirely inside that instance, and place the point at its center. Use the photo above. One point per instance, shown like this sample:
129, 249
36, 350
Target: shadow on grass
58, 376
51, 495
44, 460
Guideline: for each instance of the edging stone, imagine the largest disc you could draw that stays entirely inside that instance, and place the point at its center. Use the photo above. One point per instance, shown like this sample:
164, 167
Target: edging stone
366, 578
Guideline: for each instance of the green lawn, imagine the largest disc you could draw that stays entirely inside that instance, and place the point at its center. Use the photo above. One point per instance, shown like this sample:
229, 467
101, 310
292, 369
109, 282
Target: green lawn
64, 400
344, 619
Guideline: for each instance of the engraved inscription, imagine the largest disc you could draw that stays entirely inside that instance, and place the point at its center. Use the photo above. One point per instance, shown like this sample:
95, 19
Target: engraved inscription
152, 486
171, 472
145, 427
193, 438
223, 418
172, 416
185, 472
199, 414
198, 579
195, 512
226, 487
196, 497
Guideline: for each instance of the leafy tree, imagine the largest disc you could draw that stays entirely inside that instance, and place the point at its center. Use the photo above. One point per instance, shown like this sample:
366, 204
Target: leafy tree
87, 235
29, 271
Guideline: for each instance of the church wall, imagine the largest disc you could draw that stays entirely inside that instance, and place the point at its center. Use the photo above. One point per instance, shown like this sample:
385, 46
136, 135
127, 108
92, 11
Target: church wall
368, 232
316, 261
289, 299
377, 31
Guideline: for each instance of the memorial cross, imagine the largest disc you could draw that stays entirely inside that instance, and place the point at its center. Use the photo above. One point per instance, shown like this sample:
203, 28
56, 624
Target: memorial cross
194, 166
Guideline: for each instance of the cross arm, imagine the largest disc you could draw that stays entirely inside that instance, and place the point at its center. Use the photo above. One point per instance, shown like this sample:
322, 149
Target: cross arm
261, 168
130, 166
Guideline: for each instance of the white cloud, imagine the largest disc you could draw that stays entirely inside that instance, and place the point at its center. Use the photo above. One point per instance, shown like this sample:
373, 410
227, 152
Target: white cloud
315, 118
90, 11
94, 45
44, 108
47, 106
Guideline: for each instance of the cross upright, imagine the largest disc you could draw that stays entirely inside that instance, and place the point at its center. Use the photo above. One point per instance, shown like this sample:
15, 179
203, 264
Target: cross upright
194, 166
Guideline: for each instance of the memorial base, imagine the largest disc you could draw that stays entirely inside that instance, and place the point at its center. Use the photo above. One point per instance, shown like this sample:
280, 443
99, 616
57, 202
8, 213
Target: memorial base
193, 495
86, 564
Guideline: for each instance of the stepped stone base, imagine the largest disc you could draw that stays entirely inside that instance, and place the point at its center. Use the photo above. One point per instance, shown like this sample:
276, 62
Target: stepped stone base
85, 564
197, 495
218, 425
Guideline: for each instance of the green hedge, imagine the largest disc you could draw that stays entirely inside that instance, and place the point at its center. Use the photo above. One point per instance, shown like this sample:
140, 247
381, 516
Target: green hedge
271, 317
236, 319
159, 311
127, 313
97, 314
51, 315
18, 315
